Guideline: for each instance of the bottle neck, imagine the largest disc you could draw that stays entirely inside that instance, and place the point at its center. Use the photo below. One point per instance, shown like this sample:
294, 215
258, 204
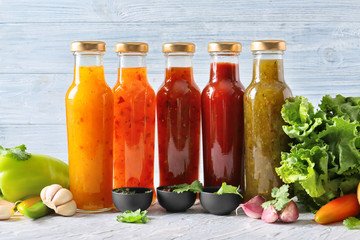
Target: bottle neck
132, 68
132, 60
179, 66
89, 66
268, 66
87, 59
224, 67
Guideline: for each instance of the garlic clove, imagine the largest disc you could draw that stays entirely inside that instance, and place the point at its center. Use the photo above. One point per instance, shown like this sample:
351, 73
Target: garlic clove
290, 213
51, 191
67, 209
270, 215
253, 208
62, 196
6, 203
6, 212
43, 193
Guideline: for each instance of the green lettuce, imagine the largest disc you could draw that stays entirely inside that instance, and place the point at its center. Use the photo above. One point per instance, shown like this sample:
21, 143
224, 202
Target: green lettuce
324, 160
137, 216
225, 188
195, 187
340, 106
352, 223
299, 114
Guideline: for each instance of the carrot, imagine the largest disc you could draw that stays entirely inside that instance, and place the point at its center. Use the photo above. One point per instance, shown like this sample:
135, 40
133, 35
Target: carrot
338, 209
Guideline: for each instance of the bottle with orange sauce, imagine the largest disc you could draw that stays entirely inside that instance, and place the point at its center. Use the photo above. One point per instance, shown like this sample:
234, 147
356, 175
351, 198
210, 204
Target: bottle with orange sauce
134, 119
89, 117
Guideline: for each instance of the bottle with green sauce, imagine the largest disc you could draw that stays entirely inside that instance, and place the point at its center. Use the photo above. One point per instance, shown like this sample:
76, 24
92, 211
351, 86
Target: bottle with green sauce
264, 137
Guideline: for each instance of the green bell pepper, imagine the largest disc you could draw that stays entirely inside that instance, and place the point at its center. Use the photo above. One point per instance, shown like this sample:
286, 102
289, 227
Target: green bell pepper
24, 175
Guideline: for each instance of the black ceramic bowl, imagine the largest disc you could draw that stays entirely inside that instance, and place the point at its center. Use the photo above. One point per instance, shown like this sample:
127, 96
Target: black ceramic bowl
175, 202
218, 204
140, 199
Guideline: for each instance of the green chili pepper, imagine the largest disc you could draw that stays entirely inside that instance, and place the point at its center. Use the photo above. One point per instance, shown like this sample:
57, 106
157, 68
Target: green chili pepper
23, 174
37, 210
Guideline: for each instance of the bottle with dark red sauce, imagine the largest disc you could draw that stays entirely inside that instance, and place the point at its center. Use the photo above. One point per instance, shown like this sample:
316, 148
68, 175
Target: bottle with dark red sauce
223, 117
178, 117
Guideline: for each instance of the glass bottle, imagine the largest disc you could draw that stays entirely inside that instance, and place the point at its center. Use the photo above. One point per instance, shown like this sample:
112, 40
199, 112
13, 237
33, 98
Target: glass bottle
178, 115
223, 117
263, 100
134, 119
89, 117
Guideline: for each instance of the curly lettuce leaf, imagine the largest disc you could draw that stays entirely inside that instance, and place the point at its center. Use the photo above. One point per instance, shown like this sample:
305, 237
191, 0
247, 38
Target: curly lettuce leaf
297, 110
339, 106
343, 139
299, 113
303, 198
349, 184
306, 166
324, 160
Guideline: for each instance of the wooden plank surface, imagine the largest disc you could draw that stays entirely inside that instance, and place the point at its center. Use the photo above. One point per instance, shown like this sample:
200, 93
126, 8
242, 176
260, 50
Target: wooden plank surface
322, 56
314, 47
37, 65
187, 11
45, 139
35, 99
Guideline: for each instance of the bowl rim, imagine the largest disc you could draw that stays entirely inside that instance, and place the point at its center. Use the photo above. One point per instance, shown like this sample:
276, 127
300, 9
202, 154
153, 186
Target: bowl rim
161, 189
204, 192
134, 188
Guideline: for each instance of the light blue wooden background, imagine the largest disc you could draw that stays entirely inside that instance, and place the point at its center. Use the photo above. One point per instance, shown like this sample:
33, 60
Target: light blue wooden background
36, 68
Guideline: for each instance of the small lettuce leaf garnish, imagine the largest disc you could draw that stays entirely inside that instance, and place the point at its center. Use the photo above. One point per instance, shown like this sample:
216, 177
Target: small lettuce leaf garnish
195, 187
228, 189
133, 217
352, 223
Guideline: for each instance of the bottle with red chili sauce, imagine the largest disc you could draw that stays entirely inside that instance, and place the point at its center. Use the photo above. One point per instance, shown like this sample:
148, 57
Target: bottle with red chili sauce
178, 115
134, 119
223, 117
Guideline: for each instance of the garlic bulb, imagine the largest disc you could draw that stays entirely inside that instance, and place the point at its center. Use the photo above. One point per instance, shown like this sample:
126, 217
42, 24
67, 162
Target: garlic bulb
58, 198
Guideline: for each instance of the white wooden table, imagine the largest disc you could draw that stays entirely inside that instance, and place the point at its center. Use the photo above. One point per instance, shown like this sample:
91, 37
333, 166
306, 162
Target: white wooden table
195, 223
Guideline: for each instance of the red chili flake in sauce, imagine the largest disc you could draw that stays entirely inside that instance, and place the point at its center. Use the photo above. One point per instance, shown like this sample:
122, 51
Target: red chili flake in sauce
121, 100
